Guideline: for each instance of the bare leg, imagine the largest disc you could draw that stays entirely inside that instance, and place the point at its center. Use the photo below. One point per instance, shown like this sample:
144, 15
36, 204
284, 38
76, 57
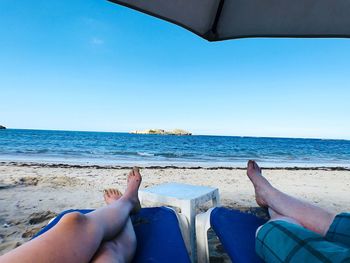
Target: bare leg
310, 216
276, 216
77, 237
122, 248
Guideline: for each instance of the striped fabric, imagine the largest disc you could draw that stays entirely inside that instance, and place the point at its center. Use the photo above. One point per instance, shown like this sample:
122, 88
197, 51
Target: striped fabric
280, 241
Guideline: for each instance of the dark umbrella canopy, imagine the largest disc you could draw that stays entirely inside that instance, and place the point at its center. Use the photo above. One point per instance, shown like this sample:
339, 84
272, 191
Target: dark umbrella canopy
228, 19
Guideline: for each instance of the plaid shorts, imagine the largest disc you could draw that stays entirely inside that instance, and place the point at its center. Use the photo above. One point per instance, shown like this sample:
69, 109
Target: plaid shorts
280, 241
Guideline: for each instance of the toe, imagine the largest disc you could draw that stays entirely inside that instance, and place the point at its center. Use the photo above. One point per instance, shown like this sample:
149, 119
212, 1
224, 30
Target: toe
131, 173
257, 167
137, 173
250, 164
136, 170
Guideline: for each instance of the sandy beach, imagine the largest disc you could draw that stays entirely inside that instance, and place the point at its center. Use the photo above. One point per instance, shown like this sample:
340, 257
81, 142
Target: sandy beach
31, 194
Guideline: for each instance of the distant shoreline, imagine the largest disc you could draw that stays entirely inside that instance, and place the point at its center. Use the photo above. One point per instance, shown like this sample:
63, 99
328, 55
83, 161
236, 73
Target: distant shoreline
95, 166
196, 134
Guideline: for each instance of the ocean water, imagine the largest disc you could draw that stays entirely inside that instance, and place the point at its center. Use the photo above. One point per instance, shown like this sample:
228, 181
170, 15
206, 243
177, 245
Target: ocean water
100, 148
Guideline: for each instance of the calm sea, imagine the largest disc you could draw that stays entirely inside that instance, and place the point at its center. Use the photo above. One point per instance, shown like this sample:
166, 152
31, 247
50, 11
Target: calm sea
147, 150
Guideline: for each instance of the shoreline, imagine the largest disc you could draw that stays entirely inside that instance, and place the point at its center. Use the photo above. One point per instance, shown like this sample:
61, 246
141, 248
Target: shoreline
154, 167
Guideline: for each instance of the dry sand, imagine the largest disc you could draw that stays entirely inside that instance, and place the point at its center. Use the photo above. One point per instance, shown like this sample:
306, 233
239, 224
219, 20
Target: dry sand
32, 194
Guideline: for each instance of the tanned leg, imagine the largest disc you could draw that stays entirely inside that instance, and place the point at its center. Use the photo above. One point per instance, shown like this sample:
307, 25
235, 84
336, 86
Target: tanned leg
77, 237
122, 248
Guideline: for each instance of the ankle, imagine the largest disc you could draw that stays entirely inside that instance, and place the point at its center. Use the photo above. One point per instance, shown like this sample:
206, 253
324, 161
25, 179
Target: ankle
269, 194
129, 198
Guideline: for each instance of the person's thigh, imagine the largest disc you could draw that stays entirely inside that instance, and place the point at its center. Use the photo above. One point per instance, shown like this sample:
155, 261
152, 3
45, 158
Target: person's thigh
281, 241
339, 231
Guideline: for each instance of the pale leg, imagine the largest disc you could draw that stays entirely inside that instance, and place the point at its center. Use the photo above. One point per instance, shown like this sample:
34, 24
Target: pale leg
310, 216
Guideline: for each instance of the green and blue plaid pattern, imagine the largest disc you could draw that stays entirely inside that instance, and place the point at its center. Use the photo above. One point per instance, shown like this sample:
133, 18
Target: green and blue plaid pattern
339, 231
280, 241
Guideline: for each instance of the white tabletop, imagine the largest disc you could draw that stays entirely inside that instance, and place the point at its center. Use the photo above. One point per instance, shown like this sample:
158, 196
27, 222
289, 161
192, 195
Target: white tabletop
179, 191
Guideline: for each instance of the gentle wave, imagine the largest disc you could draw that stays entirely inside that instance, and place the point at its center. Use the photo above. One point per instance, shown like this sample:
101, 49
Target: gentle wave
145, 154
119, 147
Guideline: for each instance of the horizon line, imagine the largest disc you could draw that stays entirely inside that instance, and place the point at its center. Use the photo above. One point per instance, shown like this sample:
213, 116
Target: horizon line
193, 134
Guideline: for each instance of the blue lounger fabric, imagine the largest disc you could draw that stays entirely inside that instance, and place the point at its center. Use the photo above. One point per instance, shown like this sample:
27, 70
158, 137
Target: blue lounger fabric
158, 235
236, 231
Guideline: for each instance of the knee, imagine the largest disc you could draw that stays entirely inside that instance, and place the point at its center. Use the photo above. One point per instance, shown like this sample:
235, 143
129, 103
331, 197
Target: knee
74, 219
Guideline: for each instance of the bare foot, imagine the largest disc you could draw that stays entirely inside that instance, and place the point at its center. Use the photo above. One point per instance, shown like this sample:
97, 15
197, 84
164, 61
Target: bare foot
111, 195
131, 192
261, 185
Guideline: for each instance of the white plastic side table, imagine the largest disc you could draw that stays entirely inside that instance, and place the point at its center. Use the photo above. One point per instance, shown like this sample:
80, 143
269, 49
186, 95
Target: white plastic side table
183, 196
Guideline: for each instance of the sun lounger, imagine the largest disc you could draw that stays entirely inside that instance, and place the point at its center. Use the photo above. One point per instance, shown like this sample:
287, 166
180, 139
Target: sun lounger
162, 235
236, 231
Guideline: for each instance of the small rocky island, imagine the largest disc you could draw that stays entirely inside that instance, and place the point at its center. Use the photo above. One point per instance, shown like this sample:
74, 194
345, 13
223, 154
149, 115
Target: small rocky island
178, 132
2, 127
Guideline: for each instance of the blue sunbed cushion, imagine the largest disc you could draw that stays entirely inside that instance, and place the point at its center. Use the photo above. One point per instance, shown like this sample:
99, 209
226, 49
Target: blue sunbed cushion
158, 235
236, 231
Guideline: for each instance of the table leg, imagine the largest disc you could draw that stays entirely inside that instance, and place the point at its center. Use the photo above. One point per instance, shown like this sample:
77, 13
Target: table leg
216, 199
188, 209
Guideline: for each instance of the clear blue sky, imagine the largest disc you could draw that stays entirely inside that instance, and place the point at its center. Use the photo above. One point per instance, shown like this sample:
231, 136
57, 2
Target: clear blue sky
93, 65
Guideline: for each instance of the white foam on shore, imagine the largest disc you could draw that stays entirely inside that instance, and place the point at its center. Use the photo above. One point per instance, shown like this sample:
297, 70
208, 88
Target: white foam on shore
175, 164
